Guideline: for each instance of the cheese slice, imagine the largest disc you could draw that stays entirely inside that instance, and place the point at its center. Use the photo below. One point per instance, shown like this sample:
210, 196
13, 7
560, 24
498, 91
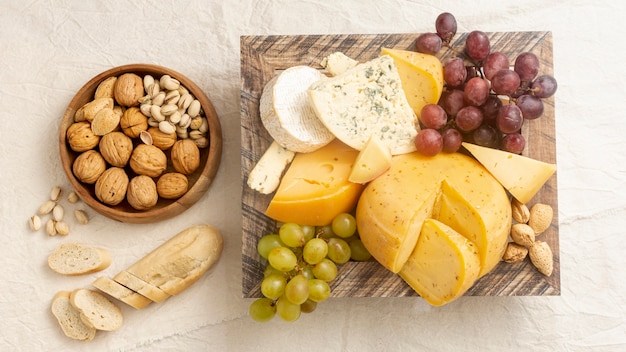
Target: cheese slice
366, 101
372, 161
287, 114
265, 176
520, 175
315, 188
338, 63
429, 63
443, 266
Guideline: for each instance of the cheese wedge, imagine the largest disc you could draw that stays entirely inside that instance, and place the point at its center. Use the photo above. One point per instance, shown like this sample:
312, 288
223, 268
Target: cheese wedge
372, 161
520, 175
287, 114
429, 63
338, 63
265, 176
366, 101
443, 266
315, 188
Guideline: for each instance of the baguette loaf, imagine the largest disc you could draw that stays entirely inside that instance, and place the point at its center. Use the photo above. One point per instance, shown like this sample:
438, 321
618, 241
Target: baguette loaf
138, 285
69, 318
96, 310
77, 259
121, 292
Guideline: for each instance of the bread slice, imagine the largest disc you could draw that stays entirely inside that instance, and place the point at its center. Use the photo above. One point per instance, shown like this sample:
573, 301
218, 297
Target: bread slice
69, 318
121, 292
77, 259
96, 309
138, 285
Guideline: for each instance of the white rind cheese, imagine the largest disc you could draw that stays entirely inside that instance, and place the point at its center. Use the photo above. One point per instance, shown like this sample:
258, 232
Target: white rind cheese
366, 101
266, 174
287, 114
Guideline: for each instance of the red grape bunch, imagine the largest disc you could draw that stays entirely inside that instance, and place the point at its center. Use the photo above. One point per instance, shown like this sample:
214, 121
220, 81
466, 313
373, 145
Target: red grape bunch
485, 100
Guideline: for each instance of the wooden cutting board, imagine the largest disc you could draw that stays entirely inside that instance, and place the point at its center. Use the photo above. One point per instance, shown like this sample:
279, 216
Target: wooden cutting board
262, 57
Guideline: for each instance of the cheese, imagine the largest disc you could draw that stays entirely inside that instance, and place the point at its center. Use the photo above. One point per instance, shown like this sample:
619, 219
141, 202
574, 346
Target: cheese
372, 161
452, 188
265, 176
337, 63
366, 101
443, 266
520, 175
287, 114
421, 85
315, 187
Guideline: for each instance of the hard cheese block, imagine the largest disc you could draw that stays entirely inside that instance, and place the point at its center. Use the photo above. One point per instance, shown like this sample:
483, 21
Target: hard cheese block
315, 188
444, 264
364, 101
452, 188
520, 175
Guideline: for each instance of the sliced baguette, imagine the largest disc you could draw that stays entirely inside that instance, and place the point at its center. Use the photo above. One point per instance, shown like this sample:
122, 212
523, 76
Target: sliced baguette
69, 318
78, 259
138, 285
96, 309
121, 292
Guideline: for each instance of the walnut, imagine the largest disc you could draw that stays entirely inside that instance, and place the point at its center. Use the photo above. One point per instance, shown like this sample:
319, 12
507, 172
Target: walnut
112, 185
148, 160
88, 166
142, 193
185, 156
128, 89
133, 121
162, 140
80, 137
116, 148
172, 185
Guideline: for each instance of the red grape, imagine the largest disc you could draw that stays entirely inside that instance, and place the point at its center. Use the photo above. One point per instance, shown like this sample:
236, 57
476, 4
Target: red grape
428, 142
530, 105
452, 140
493, 63
469, 118
445, 25
490, 109
433, 116
476, 91
513, 143
486, 136
509, 119
477, 45
428, 43
505, 82
526, 66
544, 86
454, 72
452, 101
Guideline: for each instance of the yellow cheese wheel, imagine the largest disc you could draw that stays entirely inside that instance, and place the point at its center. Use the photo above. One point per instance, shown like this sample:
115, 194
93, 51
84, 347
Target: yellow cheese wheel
315, 188
452, 188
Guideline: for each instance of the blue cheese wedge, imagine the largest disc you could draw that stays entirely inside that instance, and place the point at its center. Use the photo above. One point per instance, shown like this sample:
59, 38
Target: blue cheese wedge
367, 101
286, 112
338, 63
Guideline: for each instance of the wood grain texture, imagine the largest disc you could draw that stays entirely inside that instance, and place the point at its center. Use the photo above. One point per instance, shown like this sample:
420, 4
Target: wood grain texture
262, 57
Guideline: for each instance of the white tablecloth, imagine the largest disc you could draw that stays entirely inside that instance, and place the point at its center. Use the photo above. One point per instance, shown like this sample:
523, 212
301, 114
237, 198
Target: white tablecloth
51, 48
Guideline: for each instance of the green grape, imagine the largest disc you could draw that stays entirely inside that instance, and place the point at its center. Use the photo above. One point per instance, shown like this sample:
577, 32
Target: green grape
325, 232
307, 271
291, 234
269, 270
308, 306
309, 232
262, 309
297, 289
282, 258
267, 243
319, 290
338, 250
287, 310
315, 250
273, 286
325, 270
358, 252
344, 225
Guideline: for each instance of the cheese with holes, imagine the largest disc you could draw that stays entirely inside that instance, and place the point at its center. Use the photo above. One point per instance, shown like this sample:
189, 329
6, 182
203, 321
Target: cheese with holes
287, 114
520, 175
444, 264
365, 101
452, 188
372, 161
265, 176
315, 187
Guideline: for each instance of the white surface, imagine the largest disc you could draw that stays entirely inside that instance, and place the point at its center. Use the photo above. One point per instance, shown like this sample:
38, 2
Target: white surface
51, 48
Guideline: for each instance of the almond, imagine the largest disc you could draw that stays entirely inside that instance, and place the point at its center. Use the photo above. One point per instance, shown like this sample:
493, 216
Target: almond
519, 211
514, 253
540, 217
541, 257
523, 235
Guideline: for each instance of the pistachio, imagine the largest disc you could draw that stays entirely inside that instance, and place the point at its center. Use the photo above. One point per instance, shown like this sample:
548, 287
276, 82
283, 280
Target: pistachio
169, 83
145, 109
204, 126
34, 222
185, 121
62, 228
58, 212
172, 97
154, 89
55, 193
196, 122
194, 108
195, 134
152, 122
146, 137
46, 207
185, 100
51, 228
72, 197
175, 117
166, 127
202, 142
168, 109
159, 99
148, 80
81, 216
155, 112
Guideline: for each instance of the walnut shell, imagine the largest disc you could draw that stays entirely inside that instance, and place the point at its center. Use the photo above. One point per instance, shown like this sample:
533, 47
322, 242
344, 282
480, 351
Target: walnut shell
80, 137
148, 160
142, 193
185, 156
133, 121
162, 140
88, 166
116, 148
172, 185
128, 89
112, 185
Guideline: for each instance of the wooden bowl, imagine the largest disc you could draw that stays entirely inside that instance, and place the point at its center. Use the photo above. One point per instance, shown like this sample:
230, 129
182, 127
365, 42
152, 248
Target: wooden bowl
199, 181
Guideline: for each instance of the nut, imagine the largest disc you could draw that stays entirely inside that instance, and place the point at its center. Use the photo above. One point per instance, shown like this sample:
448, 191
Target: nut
194, 108
514, 253
106, 120
34, 222
55, 193
148, 80
88, 111
105, 88
58, 212
540, 217
148, 160
202, 142
62, 228
133, 122
46, 207
522, 234
72, 197
145, 137
172, 185
80, 137
519, 211
112, 185
162, 140
185, 156
167, 127
88, 166
128, 89
51, 228
142, 193
541, 257
81, 216
116, 148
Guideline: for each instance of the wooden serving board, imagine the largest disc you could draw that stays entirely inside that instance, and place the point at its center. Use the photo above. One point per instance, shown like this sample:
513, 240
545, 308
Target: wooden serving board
262, 57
